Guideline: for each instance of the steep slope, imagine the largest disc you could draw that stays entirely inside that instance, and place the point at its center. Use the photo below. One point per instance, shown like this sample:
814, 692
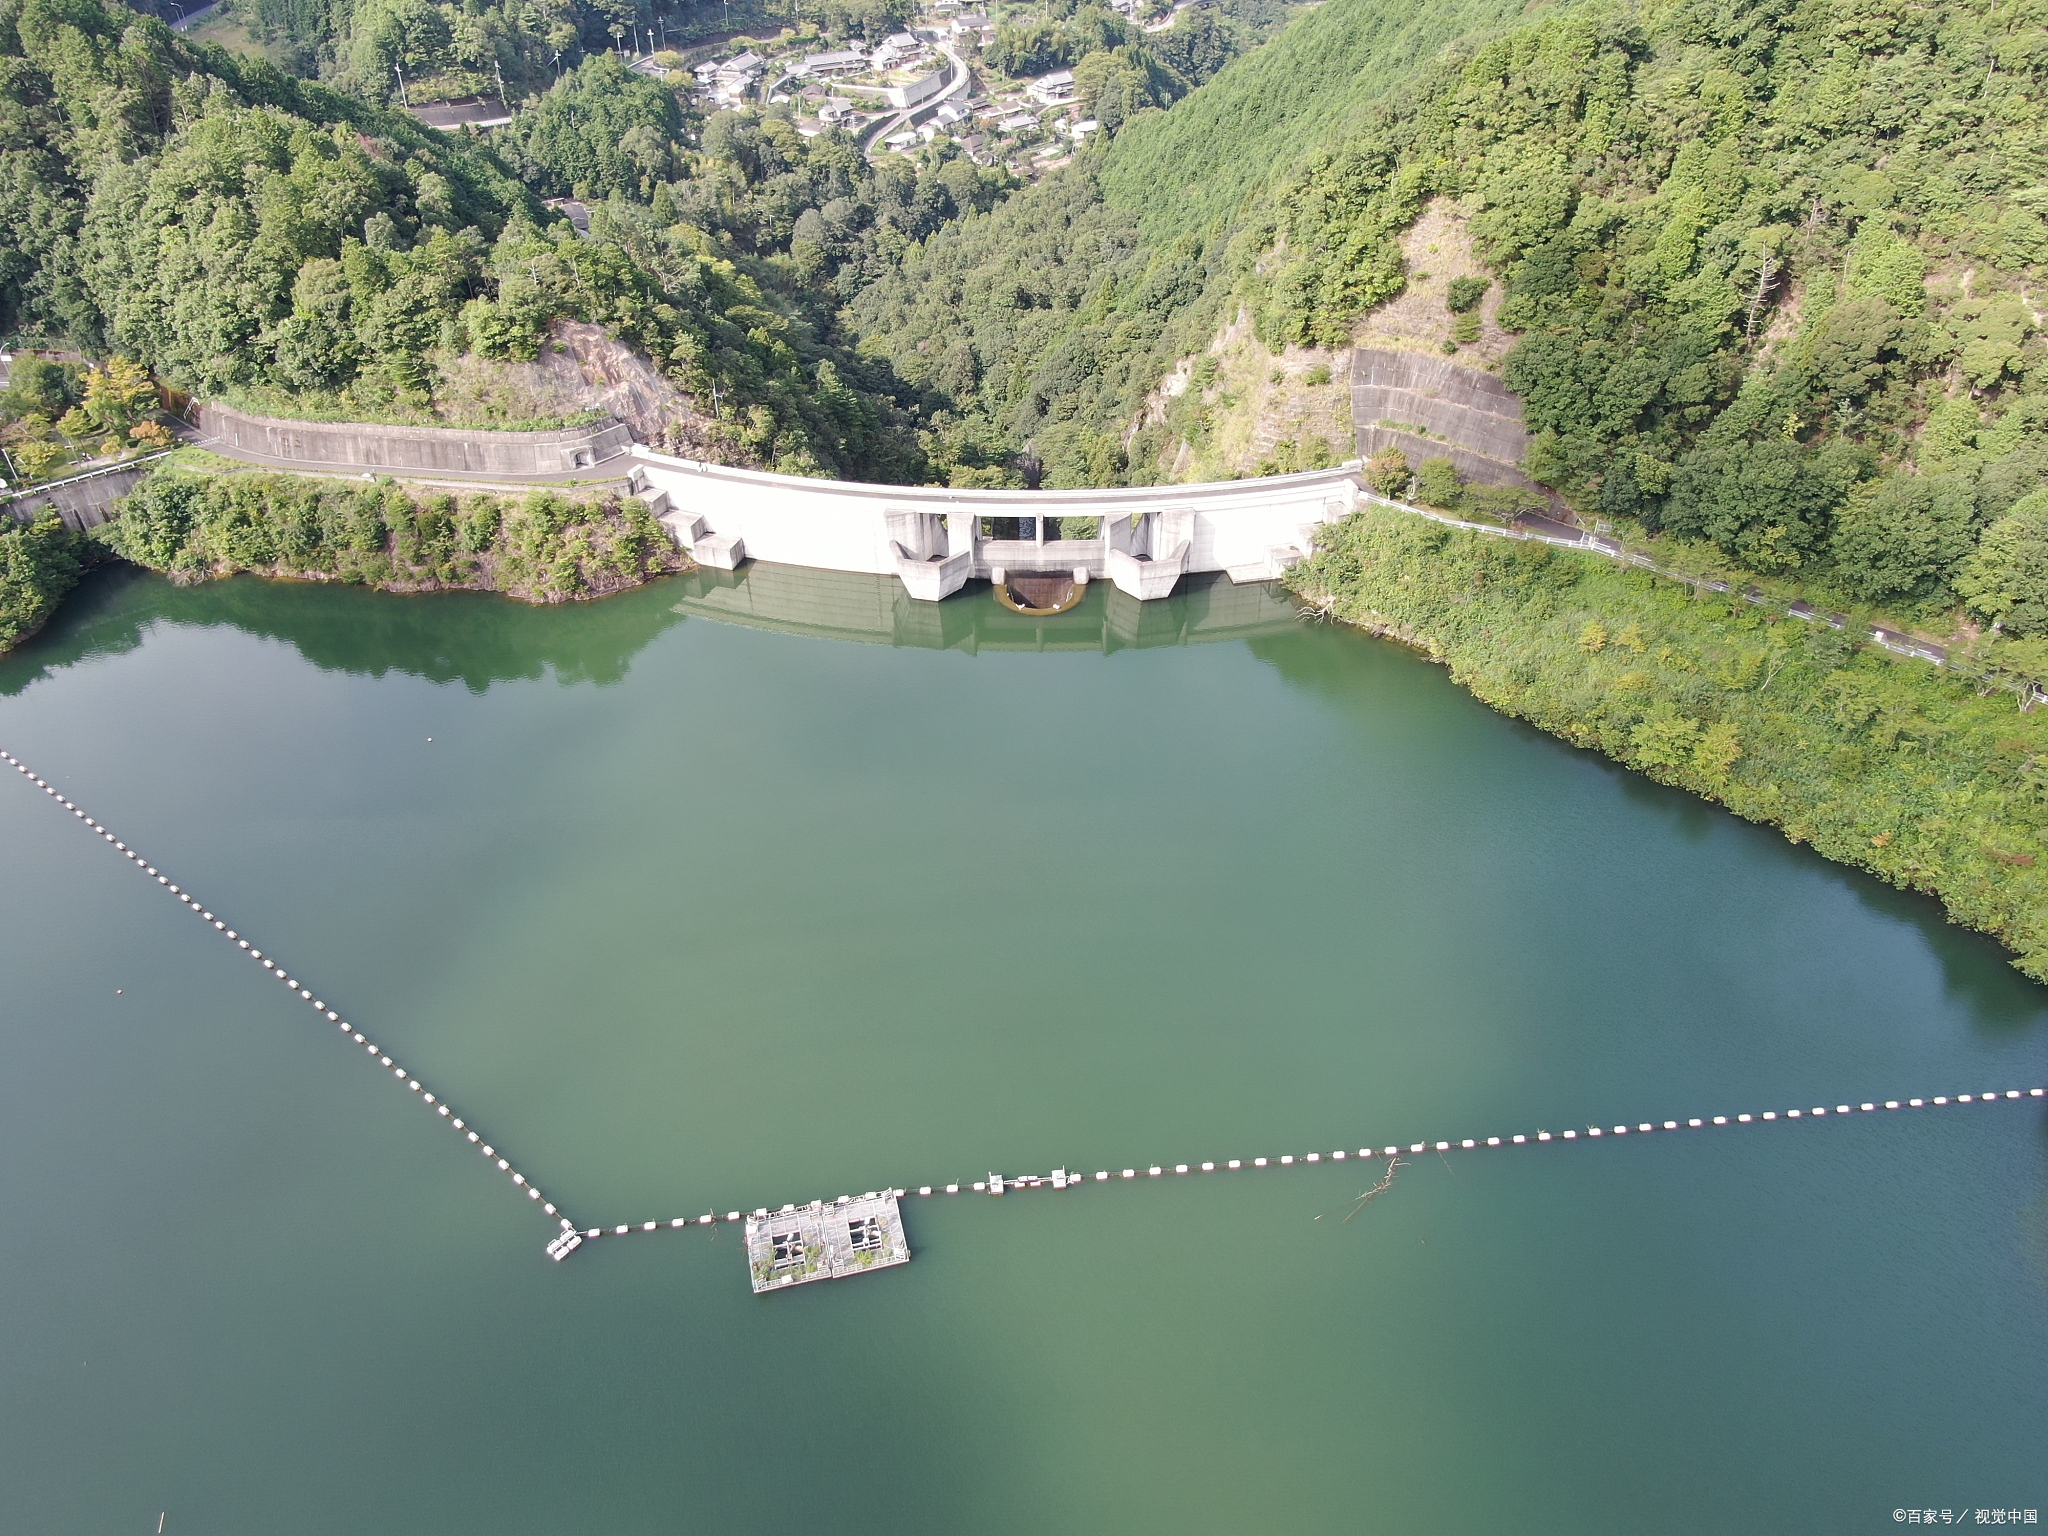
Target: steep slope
250, 235
1046, 322
1188, 171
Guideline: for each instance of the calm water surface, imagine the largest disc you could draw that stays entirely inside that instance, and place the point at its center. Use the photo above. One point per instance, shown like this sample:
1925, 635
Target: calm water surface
686, 908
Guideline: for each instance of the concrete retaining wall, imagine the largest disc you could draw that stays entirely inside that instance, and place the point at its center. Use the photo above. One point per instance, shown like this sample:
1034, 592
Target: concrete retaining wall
1478, 417
1474, 388
354, 445
84, 501
1475, 467
1497, 437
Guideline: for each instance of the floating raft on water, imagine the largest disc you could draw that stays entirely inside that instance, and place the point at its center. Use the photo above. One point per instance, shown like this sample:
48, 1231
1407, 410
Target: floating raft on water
825, 1242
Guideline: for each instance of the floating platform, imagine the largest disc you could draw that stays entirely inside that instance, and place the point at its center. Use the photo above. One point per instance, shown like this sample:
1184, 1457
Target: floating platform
823, 1241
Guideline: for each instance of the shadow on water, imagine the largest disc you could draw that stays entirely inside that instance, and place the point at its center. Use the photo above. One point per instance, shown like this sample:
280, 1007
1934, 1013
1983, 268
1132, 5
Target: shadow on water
478, 639
1976, 970
474, 638
875, 610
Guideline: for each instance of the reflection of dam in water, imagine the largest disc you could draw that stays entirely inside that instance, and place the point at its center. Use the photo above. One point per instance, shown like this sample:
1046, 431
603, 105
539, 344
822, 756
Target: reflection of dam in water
876, 610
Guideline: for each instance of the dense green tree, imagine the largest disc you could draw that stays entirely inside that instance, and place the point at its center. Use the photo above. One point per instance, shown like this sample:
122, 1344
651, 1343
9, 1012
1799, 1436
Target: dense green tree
1898, 545
601, 129
2006, 578
40, 561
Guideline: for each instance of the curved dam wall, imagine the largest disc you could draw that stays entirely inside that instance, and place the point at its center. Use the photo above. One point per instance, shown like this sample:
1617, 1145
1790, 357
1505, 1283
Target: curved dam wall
936, 539
356, 445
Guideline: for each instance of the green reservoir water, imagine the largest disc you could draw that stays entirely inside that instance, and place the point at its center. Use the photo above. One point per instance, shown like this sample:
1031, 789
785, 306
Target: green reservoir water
735, 893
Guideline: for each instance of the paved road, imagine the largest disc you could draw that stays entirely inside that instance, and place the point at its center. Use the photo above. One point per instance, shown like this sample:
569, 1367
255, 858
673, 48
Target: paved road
955, 87
1558, 532
198, 13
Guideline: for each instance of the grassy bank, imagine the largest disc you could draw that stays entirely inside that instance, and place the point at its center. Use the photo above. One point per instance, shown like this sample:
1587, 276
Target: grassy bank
40, 561
1895, 767
545, 547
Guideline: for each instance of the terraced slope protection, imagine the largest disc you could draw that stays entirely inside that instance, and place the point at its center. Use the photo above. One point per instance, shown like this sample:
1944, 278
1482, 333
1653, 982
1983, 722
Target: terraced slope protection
1429, 407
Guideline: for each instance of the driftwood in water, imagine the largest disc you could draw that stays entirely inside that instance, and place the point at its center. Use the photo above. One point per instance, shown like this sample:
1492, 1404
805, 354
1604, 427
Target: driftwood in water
1394, 1164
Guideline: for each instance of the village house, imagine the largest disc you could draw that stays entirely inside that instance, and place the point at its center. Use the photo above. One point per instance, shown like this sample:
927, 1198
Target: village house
897, 50
1053, 90
818, 66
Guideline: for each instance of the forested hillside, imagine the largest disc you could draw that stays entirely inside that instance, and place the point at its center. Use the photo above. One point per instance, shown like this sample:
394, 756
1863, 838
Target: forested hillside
1045, 323
249, 235
1186, 173
1775, 272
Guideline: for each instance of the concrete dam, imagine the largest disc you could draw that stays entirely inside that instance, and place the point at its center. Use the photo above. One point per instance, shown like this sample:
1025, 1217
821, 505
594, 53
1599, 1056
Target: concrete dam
935, 539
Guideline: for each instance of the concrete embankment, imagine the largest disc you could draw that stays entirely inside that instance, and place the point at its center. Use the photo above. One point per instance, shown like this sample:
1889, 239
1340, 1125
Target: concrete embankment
1430, 408
83, 501
516, 456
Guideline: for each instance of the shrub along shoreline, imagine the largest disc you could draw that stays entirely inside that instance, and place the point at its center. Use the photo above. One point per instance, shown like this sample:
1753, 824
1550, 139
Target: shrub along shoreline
1901, 769
40, 561
543, 547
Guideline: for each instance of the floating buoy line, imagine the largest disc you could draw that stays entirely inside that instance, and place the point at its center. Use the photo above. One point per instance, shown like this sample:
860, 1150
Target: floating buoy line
558, 1248
570, 1237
